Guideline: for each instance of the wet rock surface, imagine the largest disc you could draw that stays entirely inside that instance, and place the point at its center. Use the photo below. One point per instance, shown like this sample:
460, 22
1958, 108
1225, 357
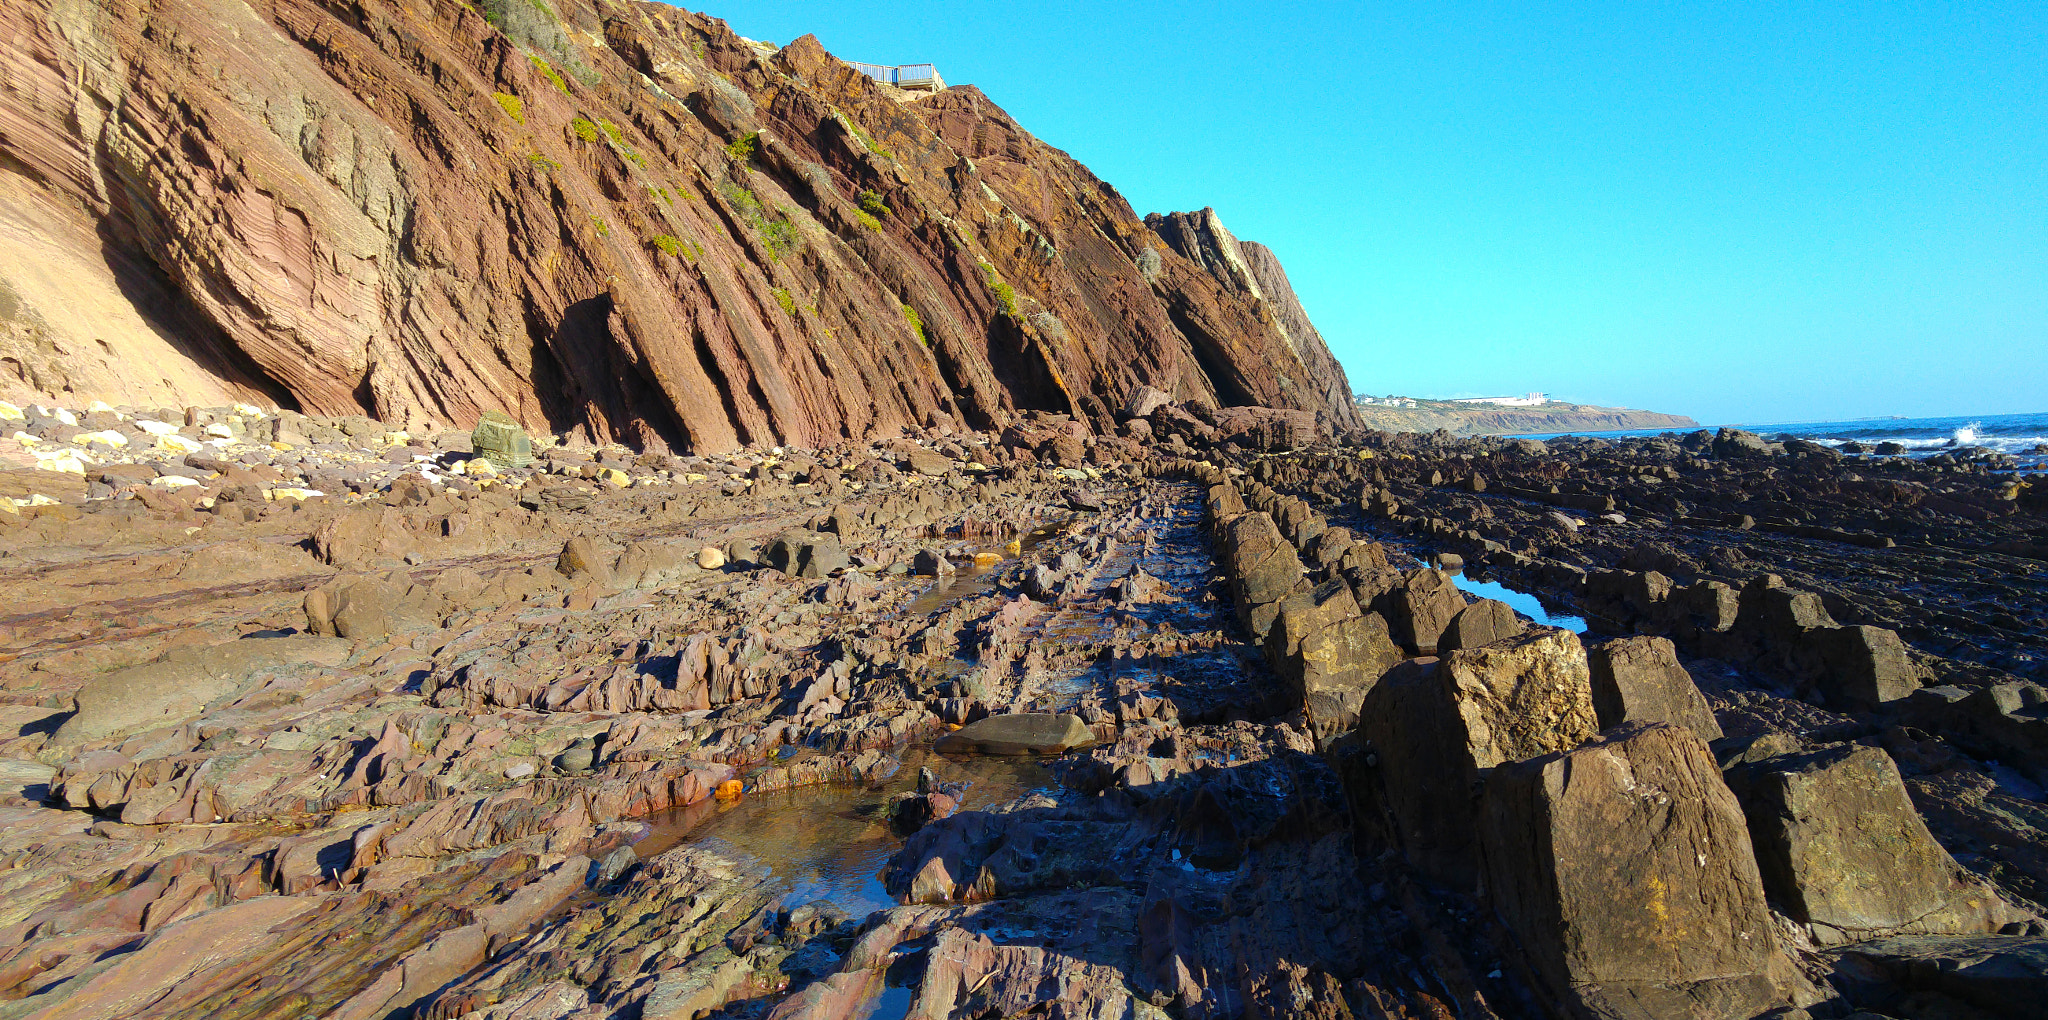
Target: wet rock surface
953, 726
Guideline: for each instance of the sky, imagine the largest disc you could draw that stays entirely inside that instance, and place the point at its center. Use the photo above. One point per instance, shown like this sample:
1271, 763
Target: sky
1755, 212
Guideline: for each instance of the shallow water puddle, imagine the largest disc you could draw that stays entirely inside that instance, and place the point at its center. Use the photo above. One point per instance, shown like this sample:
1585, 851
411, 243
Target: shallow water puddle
1520, 601
831, 842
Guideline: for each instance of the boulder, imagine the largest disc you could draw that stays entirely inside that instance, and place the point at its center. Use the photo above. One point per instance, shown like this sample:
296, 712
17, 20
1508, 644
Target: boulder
1415, 774
1330, 547
1481, 623
1522, 697
807, 554
1423, 607
1866, 667
930, 563
1263, 569
1780, 625
1329, 654
1224, 502
366, 538
1843, 850
1624, 871
582, 560
925, 462
500, 440
1142, 402
1737, 444
1019, 733
1639, 680
366, 607
1706, 607
1435, 728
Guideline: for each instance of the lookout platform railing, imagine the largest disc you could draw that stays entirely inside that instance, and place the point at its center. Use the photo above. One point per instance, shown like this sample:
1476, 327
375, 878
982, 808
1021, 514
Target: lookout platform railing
916, 77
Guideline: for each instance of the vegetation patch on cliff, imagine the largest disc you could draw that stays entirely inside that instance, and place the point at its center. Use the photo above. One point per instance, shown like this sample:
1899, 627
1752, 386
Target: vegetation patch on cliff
512, 106
676, 246
547, 71
777, 233
1006, 295
916, 325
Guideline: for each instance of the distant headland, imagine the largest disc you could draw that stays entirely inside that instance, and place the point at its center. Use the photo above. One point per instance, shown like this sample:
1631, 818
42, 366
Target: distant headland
1492, 416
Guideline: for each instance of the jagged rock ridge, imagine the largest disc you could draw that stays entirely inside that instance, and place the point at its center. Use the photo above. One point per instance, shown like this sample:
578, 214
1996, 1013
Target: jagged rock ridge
603, 215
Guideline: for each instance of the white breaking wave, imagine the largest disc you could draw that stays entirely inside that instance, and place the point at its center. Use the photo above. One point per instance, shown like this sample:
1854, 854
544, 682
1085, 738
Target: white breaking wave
1968, 435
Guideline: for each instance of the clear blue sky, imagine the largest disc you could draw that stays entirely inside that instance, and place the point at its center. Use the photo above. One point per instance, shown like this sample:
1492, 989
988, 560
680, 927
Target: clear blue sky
1743, 212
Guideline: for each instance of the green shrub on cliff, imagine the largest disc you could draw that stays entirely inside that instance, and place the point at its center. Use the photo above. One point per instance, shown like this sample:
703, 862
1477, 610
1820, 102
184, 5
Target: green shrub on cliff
547, 71
780, 237
867, 221
872, 204
512, 106
866, 139
677, 247
783, 298
916, 325
1005, 294
524, 20
584, 129
538, 29
742, 148
777, 233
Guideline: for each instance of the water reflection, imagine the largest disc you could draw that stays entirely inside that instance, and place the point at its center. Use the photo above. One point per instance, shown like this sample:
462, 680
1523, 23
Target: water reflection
1520, 601
831, 842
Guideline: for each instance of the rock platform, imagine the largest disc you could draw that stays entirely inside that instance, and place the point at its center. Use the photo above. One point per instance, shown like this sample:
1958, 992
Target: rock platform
353, 722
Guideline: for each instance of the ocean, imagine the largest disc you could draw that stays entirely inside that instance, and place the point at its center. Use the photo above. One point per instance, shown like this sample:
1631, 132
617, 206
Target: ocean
2024, 437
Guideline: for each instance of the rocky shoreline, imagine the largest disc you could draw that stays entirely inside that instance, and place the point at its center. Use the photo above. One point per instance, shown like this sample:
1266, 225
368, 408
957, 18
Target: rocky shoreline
350, 723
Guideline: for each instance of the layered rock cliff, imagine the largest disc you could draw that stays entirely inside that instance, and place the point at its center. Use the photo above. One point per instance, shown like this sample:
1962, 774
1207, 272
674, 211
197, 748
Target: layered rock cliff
598, 215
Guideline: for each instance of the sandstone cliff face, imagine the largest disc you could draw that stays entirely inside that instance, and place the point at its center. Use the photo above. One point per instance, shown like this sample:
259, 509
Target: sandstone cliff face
603, 215
1245, 267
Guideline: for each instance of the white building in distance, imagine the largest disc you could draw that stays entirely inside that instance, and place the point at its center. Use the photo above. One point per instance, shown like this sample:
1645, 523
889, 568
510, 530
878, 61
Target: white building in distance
1532, 400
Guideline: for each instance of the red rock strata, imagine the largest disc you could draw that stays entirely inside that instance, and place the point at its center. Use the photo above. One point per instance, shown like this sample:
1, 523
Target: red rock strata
597, 215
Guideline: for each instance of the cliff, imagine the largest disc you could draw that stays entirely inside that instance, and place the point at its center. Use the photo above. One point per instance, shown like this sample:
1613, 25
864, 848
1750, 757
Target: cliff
598, 215
1487, 420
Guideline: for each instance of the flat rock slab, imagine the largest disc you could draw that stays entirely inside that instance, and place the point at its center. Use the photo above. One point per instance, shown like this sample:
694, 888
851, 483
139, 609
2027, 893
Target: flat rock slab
158, 974
2004, 975
181, 685
1020, 733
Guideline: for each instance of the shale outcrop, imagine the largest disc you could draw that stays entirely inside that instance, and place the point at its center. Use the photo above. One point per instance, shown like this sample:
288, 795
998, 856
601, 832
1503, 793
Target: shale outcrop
627, 523
314, 716
614, 216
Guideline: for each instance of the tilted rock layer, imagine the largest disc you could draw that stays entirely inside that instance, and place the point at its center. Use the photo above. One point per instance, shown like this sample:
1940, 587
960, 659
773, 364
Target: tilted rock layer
603, 215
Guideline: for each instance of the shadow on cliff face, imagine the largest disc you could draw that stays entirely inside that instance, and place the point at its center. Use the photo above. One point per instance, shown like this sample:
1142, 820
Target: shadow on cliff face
179, 322
626, 407
1021, 369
